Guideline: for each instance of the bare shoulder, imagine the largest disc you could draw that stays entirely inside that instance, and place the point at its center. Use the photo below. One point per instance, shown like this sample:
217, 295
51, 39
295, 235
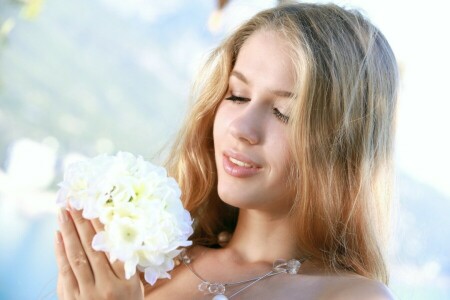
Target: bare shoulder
349, 287
358, 287
324, 286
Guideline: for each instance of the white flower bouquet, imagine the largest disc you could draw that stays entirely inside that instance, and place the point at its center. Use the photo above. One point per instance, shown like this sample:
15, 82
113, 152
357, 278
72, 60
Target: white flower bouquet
145, 223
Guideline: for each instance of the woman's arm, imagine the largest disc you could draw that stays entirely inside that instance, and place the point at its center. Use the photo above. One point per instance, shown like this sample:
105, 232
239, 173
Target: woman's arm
84, 273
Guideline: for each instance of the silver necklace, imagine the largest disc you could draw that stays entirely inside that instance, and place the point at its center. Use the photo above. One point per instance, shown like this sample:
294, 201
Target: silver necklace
218, 289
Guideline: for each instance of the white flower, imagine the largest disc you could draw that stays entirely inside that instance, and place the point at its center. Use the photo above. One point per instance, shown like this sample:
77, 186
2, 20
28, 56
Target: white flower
140, 207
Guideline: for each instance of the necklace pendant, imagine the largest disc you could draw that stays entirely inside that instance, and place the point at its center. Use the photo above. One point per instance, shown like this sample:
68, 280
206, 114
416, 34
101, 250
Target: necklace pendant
216, 288
291, 266
211, 288
203, 287
220, 297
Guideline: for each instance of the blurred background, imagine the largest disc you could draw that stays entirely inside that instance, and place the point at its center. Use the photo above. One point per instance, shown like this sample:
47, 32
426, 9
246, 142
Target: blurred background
79, 78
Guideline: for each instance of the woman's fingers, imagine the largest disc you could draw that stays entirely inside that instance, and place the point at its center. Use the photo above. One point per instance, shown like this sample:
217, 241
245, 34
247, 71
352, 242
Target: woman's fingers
75, 252
98, 226
83, 272
67, 283
119, 269
117, 266
100, 265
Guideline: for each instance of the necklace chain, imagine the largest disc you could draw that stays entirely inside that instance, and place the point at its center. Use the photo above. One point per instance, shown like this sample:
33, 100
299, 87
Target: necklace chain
219, 289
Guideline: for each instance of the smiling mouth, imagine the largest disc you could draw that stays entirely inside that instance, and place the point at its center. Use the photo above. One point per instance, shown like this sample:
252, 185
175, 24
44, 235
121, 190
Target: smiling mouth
240, 163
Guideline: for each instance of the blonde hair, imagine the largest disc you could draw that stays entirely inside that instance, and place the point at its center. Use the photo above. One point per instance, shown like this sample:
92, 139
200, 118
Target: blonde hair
341, 132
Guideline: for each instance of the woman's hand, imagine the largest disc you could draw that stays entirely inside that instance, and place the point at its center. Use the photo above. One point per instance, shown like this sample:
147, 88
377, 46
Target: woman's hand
84, 273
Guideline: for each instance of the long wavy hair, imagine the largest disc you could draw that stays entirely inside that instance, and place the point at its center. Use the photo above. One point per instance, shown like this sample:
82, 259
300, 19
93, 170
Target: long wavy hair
341, 133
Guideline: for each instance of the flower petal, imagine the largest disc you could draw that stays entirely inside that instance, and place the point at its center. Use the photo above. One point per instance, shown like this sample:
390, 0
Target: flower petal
150, 276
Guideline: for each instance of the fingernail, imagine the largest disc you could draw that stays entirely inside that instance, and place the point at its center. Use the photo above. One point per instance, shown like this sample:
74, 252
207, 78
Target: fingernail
63, 218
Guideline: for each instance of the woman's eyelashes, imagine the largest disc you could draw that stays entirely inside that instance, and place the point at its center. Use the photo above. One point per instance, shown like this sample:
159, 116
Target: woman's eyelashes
278, 114
237, 99
282, 117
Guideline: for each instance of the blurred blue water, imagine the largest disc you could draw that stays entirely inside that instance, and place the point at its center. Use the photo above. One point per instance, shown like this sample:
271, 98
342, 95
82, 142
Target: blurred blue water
30, 271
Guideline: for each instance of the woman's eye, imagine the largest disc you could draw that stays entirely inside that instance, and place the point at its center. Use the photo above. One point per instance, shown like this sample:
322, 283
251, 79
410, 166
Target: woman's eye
278, 114
283, 118
237, 99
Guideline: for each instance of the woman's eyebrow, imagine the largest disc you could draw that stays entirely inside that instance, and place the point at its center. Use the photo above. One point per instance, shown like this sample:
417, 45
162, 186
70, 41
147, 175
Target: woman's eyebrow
284, 94
280, 93
239, 76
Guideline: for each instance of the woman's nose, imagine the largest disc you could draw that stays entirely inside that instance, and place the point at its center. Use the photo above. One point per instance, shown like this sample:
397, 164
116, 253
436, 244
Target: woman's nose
247, 126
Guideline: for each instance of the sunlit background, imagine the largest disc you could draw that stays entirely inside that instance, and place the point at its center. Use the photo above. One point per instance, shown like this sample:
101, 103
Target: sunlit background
79, 78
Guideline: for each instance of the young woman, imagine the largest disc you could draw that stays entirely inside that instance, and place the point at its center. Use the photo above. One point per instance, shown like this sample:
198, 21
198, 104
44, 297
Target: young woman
286, 154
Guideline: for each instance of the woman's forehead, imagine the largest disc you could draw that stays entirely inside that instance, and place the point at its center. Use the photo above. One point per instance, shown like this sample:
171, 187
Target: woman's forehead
264, 60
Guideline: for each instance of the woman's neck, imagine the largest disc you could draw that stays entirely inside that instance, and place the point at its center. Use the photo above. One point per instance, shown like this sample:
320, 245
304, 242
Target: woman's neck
260, 237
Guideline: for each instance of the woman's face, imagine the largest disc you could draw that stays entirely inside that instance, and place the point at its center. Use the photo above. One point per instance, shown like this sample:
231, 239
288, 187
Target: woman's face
250, 127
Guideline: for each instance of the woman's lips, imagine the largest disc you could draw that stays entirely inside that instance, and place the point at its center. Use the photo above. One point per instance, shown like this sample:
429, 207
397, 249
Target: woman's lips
239, 167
